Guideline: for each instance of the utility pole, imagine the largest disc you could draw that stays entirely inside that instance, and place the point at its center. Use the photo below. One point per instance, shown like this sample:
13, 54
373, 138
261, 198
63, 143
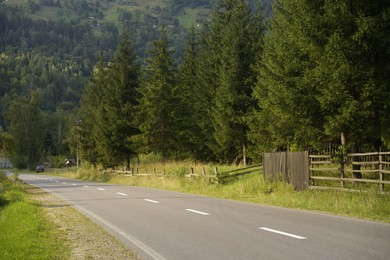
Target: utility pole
78, 143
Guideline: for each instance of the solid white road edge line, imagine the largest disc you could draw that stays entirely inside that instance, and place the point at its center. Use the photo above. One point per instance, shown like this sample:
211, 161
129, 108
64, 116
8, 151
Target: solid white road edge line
281, 233
198, 212
153, 201
129, 237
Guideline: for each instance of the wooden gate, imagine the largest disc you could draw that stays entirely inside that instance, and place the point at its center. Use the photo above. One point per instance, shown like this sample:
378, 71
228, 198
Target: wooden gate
292, 167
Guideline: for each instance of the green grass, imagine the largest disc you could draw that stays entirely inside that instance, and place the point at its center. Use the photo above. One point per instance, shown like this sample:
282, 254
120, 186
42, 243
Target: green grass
25, 231
25, 234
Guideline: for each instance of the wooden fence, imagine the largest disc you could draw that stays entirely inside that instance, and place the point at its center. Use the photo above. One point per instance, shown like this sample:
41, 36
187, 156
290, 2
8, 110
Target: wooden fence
349, 170
354, 171
223, 177
216, 177
292, 167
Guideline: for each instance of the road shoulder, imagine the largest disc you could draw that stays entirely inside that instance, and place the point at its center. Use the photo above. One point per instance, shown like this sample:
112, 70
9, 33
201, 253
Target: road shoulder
85, 238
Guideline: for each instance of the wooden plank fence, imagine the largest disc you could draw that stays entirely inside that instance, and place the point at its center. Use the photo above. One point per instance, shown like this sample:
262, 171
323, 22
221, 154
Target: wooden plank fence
350, 169
292, 167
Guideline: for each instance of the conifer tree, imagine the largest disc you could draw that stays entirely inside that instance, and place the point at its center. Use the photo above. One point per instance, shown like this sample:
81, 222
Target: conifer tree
353, 72
288, 113
239, 46
188, 129
26, 123
108, 108
157, 109
322, 75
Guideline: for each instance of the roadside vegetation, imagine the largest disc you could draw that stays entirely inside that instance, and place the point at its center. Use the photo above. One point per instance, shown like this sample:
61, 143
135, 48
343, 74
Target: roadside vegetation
367, 204
25, 233
37, 225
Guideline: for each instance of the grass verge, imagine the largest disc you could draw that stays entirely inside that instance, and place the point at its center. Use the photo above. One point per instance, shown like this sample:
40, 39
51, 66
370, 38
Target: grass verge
25, 233
37, 225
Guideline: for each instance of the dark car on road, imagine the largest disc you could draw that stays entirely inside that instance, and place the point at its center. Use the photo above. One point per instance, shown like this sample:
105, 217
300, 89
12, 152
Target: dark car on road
40, 168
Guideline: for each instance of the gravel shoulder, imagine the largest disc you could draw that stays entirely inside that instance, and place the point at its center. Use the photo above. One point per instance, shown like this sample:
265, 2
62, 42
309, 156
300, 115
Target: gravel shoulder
84, 238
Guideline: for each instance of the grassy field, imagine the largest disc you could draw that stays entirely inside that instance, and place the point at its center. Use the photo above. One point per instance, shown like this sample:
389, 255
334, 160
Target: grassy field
24, 231
252, 188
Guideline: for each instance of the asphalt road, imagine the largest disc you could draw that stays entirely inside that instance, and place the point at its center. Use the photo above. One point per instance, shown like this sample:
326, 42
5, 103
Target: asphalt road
171, 225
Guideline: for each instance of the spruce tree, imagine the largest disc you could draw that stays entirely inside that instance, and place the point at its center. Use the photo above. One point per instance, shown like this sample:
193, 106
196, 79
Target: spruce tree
108, 108
288, 113
187, 118
322, 75
157, 110
26, 125
239, 46
353, 72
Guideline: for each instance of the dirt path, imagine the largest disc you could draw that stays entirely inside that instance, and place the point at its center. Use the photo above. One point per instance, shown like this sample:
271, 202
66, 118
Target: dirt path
85, 239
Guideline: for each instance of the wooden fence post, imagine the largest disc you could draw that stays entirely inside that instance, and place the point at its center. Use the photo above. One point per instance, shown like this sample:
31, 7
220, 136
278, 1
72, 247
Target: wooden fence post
381, 177
342, 168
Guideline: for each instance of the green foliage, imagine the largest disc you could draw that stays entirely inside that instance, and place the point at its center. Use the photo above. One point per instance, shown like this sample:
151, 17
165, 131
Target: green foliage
107, 113
239, 45
318, 78
26, 124
157, 110
320, 71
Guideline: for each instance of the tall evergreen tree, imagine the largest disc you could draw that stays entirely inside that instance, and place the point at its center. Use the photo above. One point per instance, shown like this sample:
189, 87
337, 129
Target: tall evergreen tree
108, 107
188, 129
26, 125
288, 113
158, 110
240, 44
352, 71
322, 75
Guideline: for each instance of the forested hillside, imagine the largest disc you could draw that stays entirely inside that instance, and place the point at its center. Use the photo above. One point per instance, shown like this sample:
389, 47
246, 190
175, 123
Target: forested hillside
48, 49
202, 80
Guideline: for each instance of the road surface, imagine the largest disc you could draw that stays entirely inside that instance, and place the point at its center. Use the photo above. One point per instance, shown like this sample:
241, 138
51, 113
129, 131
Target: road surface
171, 225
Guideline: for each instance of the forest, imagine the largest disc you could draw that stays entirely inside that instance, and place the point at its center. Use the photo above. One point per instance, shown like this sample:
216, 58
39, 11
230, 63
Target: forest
110, 80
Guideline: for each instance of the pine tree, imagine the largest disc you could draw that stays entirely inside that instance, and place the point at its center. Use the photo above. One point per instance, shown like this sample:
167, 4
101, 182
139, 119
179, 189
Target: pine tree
188, 129
240, 44
108, 108
353, 72
322, 75
26, 125
157, 109
288, 114
121, 100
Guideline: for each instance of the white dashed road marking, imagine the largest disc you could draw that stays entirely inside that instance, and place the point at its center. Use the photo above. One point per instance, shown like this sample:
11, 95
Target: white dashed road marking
198, 212
281, 233
152, 201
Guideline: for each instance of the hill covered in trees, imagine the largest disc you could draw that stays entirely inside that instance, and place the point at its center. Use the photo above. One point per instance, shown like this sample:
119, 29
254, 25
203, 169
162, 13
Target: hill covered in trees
202, 80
